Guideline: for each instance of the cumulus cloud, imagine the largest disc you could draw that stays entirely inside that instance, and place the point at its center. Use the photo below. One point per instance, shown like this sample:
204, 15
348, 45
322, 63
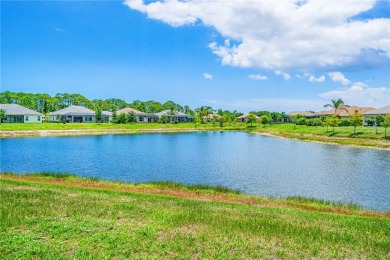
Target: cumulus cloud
312, 78
282, 35
258, 77
207, 76
361, 94
286, 76
339, 77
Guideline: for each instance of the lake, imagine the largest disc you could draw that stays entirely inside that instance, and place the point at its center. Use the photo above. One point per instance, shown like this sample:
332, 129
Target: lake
254, 164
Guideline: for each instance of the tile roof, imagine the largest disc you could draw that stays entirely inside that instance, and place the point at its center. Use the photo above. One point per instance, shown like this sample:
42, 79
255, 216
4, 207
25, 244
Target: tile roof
127, 110
303, 113
380, 111
168, 113
345, 111
14, 109
73, 110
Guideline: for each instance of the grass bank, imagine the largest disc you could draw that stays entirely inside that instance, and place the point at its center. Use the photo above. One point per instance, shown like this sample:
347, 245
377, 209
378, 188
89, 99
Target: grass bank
364, 136
64, 216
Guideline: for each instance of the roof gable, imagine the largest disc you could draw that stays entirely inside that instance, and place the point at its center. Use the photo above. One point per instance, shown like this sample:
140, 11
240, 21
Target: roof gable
73, 110
15, 109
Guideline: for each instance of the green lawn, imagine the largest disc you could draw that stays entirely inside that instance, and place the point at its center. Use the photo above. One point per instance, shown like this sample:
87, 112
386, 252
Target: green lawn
54, 221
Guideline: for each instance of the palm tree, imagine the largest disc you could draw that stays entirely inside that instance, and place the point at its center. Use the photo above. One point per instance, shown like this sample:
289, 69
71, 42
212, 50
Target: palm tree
336, 104
172, 112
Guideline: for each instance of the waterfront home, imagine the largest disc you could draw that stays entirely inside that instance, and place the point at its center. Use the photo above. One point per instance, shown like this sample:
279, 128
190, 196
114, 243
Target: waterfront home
244, 117
73, 114
307, 114
107, 116
19, 114
210, 117
344, 111
141, 117
369, 117
177, 117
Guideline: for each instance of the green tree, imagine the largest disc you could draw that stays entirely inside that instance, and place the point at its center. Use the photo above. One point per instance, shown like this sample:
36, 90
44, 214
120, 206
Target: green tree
114, 115
164, 119
356, 119
99, 115
336, 104
332, 121
131, 117
2, 115
172, 112
294, 120
222, 120
251, 118
121, 119
386, 123
264, 120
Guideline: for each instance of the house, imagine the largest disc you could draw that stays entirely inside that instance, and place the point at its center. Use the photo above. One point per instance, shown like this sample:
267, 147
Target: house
107, 116
210, 117
19, 114
302, 113
344, 111
178, 117
307, 114
244, 117
369, 117
141, 117
77, 114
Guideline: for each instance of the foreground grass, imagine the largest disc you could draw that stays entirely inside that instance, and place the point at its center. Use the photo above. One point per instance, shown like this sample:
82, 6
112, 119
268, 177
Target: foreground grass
63, 216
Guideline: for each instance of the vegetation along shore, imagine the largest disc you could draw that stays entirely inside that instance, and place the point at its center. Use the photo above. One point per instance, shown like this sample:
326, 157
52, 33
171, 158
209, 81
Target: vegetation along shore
87, 218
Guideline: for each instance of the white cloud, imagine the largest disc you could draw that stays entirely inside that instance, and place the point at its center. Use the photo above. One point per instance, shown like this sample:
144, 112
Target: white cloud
58, 29
339, 77
207, 76
282, 35
286, 76
361, 94
258, 77
272, 104
319, 79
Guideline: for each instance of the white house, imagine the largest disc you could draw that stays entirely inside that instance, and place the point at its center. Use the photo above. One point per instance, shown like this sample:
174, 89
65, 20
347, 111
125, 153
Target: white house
77, 114
141, 117
177, 117
19, 114
372, 114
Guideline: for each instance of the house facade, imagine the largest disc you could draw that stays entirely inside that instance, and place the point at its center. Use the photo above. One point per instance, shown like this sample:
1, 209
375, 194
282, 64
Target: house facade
141, 117
244, 117
177, 117
344, 111
369, 118
19, 114
77, 114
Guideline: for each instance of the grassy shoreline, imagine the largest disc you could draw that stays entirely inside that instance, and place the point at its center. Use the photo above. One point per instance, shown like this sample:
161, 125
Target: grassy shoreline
64, 216
365, 136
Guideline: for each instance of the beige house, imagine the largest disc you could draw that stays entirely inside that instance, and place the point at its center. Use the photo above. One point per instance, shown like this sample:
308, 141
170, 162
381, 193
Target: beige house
19, 114
141, 117
344, 111
244, 117
372, 114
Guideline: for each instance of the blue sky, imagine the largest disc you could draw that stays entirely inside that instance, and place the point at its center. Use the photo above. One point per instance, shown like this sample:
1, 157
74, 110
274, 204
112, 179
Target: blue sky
253, 55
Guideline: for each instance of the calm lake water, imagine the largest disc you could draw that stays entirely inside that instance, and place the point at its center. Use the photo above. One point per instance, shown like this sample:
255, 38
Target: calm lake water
252, 163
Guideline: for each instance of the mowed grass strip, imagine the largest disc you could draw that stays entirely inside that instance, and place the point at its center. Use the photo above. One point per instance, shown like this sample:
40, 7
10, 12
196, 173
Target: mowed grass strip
46, 220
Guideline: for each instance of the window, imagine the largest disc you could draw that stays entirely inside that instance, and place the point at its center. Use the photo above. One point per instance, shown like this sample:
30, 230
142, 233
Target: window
26, 118
88, 118
39, 118
141, 118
